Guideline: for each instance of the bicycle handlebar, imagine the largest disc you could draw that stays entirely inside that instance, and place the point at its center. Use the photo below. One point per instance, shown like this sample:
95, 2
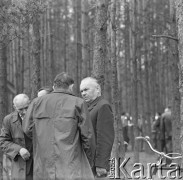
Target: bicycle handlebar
146, 138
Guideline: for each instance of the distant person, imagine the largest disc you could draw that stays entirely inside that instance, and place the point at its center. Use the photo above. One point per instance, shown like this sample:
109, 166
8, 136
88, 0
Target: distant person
44, 90
156, 131
130, 130
166, 131
141, 133
102, 120
14, 143
63, 133
124, 121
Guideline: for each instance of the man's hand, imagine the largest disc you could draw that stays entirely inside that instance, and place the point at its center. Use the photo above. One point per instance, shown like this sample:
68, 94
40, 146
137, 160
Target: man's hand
24, 153
101, 172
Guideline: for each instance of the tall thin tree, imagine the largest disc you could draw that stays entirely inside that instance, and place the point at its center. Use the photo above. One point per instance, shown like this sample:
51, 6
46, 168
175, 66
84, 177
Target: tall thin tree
174, 56
3, 68
100, 41
85, 36
179, 20
36, 55
118, 147
135, 80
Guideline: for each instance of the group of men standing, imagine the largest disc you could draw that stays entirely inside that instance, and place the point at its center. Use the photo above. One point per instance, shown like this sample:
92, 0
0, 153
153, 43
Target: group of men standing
73, 137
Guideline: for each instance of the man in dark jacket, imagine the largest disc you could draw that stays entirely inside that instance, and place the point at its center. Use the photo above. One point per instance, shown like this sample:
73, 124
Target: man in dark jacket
63, 133
166, 131
102, 120
14, 143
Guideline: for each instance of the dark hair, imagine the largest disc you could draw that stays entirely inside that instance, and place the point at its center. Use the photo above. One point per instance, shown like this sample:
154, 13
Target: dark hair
63, 80
123, 113
46, 88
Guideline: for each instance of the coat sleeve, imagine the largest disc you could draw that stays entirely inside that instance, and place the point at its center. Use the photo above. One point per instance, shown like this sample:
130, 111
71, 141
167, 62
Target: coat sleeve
86, 132
7, 145
104, 136
157, 123
28, 122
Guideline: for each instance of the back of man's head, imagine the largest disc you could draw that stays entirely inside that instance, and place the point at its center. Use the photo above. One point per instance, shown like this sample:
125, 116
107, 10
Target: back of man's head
63, 81
167, 110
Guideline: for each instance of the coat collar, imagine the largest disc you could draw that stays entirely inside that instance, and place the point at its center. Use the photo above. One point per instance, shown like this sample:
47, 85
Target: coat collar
17, 119
93, 103
63, 91
15, 116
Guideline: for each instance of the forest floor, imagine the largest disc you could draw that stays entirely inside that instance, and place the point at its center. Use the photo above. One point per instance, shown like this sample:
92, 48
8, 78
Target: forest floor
142, 169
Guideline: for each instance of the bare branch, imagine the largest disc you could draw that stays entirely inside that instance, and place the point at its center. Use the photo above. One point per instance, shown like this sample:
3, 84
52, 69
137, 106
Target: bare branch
165, 36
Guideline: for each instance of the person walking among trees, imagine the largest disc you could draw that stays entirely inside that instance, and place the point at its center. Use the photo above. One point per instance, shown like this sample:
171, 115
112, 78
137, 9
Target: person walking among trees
63, 133
156, 131
166, 131
102, 120
14, 143
124, 121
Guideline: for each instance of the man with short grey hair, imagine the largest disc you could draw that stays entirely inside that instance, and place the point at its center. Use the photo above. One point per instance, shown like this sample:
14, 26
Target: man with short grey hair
14, 143
102, 120
21, 103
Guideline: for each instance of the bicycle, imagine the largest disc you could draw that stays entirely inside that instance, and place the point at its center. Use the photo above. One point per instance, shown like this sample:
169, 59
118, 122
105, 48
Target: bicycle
162, 155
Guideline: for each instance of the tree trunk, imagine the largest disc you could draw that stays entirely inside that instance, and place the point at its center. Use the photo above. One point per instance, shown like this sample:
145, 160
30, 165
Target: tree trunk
127, 56
85, 36
179, 20
36, 57
44, 47
3, 91
118, 146
27, 60
147, 86
135, 82
3, 73
49, 60
174, 56
100, 41
78, 43
65, 32
52, 55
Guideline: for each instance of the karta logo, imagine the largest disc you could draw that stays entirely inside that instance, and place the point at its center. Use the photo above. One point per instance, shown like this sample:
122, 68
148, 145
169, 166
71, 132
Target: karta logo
119, 170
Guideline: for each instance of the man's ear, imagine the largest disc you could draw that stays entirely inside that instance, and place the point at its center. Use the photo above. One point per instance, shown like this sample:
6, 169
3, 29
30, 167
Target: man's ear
98, 87
14, 107
99, 90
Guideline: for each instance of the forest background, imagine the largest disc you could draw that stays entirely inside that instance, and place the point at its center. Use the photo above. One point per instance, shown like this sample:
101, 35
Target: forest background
133, 47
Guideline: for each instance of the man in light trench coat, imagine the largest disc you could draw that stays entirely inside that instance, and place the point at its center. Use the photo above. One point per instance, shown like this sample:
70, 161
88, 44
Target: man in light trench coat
63, 134
14, 143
